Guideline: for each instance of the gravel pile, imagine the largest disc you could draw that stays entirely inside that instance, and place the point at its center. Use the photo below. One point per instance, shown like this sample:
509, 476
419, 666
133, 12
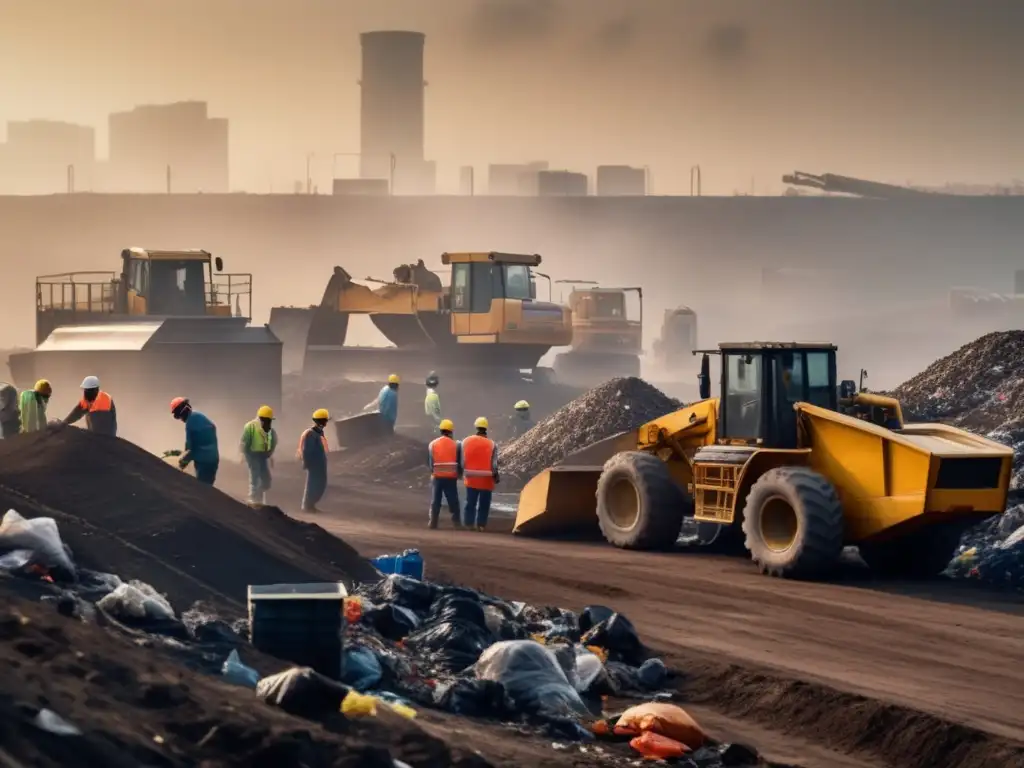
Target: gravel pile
613, 407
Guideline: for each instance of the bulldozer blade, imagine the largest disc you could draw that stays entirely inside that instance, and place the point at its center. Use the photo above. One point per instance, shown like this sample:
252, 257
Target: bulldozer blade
356, 431
561, 499
291, 325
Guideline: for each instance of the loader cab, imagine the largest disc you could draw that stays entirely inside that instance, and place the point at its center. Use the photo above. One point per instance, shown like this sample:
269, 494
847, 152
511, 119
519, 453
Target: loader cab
761, 382
167, 283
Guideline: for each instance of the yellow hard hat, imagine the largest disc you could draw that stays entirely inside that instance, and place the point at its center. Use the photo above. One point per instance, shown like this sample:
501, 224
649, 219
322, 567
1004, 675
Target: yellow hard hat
446, 425
265, 412
321, 413
481, 423
393, 378
522, 405
43, 387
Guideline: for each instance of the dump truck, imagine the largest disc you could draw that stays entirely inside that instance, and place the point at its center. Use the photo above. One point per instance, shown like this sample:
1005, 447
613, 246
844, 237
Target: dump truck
605, 342
486, 322
168, 323
789, 464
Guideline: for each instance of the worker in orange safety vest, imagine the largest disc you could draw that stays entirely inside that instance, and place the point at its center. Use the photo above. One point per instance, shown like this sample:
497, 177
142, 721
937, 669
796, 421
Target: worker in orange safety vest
480, 472
444, 455
97, 407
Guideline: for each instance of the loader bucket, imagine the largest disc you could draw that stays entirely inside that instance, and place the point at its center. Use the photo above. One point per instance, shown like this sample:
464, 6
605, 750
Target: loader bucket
563, 498
364, 429
291, 325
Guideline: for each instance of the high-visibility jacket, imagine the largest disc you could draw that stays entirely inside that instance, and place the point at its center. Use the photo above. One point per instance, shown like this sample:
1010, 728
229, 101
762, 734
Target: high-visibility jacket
33, 411
445, 458
480, 462
100, 414
255, 440
308, 451
432, 406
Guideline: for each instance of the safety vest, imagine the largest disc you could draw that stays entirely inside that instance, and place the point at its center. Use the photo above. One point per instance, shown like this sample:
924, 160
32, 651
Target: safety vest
302, 441
477, 455
103, 402
445, 454
33, 411
255, 439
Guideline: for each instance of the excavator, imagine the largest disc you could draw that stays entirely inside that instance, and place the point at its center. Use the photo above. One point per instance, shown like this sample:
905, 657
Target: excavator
792, 467
487, 321
848, 185
168, 323
605, 342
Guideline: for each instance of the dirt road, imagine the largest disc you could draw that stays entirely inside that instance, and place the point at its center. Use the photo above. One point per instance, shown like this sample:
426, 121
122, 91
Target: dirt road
885, 670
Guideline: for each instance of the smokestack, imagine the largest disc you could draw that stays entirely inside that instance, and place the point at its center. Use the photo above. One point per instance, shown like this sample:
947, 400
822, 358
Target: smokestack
391, 119
1018, 282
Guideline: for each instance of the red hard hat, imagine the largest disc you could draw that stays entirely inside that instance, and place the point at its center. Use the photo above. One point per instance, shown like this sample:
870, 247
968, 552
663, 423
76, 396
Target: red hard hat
177, 402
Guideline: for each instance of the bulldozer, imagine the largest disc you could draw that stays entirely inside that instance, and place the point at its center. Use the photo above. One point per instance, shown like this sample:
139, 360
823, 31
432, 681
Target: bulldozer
486, 321
168, 323
605, 342
789, 464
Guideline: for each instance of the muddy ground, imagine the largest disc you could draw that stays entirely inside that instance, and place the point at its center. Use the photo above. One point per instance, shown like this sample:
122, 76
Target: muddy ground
853, 673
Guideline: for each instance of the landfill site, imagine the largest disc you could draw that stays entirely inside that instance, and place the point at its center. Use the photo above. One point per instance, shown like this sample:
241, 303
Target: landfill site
759, 563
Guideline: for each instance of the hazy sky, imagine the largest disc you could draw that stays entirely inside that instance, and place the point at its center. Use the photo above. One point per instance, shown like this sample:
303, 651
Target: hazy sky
901, 90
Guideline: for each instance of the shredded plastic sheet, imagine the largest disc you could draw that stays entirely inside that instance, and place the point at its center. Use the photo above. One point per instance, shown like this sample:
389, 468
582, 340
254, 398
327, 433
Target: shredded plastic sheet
40, 536
136, 600
237, 673
532, 677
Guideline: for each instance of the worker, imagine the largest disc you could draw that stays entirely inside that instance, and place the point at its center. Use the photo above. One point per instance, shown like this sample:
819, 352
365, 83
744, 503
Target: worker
97, 407
444, 455
32, 406
259, 439
200, 441
312, 452
387, 401
432, 402
521, 421
10, 418
480, 470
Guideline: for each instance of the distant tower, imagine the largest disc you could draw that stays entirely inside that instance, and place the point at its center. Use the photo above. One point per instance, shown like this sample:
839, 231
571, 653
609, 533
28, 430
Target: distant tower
392, 103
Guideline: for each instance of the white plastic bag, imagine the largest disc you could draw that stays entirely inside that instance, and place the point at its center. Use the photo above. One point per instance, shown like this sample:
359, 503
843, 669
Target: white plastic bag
588, 668
532, 677
136, 600
39, 535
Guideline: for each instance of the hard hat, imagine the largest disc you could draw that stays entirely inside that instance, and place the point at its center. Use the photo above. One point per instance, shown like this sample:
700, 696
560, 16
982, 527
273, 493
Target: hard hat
90, 382
432, 379
321, 413
43, 387
481, 423
446, 425
265, 412
522, 405
178, 403
393, 378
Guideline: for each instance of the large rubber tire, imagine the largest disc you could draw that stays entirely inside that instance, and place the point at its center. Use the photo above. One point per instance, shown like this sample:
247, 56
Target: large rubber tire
793, 524
639, 504
921, 555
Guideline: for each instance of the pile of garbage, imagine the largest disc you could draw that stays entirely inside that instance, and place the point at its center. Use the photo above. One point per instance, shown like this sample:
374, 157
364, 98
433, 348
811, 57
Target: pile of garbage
993, 553
615, 406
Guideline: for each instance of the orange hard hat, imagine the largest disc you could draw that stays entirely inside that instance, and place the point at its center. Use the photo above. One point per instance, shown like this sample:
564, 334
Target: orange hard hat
177, 403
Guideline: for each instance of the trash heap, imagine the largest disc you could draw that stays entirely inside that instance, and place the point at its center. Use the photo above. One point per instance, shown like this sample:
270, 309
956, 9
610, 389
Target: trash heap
993, 552
615, 406
395, 460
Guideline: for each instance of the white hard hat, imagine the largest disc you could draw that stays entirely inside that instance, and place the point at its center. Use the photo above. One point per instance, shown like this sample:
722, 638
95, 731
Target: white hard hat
90, 382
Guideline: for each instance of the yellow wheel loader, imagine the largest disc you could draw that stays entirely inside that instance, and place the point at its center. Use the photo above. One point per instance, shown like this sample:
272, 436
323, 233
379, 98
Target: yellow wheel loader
606, 342
787, 462
486, 321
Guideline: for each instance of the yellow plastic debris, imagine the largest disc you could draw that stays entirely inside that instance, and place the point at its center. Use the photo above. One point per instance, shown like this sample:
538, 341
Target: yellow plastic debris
601, 653
357, 704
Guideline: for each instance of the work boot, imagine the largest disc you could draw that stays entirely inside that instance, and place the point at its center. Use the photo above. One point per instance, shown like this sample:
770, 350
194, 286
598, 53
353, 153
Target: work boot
432, 524
480, 529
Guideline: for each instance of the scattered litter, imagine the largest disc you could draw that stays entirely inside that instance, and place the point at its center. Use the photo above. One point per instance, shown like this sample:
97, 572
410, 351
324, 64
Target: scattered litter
48, 720
237, 673
664, 719
408, 563
532, 676
302, 692
136, 600
40, 537
362, 670
356, 704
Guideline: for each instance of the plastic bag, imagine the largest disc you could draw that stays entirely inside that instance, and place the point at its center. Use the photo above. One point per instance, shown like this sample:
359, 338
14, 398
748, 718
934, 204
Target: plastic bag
618, 636
237, 673
652, 674
458, 644
205, 627
474, 698
136, 600
532, 676
302, 692
362, 670
588, 668
359, 705
40, 536
650, 744
401, 590
15, 560
457, 608
391, 621
501, 626
592, 615
662, 718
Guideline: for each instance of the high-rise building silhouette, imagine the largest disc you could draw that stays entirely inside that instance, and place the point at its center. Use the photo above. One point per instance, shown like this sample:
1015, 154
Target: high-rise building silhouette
392, 111
45, 157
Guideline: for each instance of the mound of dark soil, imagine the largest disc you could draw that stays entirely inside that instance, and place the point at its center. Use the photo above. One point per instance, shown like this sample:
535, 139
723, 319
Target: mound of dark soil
615, 406
124, 511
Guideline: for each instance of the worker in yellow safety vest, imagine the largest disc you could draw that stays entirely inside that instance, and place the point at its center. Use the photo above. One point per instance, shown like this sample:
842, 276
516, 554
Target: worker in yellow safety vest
259, 440
32, 406
313, 450
432, 402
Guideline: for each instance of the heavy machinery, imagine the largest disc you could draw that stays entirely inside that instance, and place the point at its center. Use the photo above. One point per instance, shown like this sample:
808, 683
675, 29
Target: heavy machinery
672, 350
847, 185
787, 462
170, 323
605, 342
487, 320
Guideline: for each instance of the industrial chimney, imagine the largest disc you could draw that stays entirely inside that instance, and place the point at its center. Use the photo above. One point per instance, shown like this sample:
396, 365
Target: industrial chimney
392, 104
